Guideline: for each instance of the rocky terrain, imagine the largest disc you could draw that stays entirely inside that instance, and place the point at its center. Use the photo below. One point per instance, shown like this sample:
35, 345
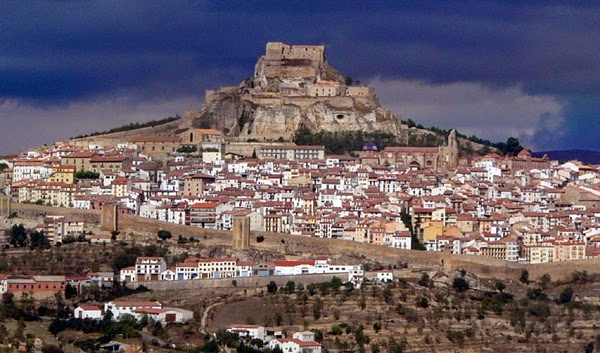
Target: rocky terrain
293, 90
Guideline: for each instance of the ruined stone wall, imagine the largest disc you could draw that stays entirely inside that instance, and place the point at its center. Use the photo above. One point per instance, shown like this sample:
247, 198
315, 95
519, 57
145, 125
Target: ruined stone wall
130, 223
275, 50
268, 101
290, 71
312, 52
279, 51
355, 91
36, 211
5, 206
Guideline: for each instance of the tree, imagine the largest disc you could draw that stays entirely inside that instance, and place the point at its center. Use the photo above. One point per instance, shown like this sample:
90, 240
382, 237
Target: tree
70, 291
511, 147
395, 346
424, 280
460, 284
164, 234
272, 287
278, 319
254, 154
377, 326
545, 280
500, 286
317, 308
589, 347
187, 149
524, 277
422, 302
387, 294
362, 302
38, 240
87, 175
290, 286
210, 347
18, 236
566, 295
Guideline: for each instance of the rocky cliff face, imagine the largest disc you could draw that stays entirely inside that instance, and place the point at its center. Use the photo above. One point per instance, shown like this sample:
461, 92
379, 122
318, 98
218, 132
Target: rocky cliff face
293, 86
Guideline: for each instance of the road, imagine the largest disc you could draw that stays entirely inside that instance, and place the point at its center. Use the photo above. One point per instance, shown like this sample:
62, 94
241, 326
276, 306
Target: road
204, 319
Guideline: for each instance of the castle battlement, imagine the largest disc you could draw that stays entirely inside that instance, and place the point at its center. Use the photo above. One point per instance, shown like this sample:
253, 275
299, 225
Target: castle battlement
282, 51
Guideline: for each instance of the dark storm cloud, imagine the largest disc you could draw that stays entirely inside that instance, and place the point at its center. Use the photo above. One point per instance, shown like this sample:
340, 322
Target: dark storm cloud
69, 54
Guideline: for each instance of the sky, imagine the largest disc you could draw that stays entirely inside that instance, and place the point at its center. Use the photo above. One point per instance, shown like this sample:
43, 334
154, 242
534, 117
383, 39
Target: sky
493, 69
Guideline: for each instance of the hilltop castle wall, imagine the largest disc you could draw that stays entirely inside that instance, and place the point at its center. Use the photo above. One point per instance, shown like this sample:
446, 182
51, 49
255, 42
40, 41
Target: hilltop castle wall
290, 72
281, 51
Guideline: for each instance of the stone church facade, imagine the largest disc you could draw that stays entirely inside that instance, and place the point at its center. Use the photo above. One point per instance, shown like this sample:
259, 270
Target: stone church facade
442, 158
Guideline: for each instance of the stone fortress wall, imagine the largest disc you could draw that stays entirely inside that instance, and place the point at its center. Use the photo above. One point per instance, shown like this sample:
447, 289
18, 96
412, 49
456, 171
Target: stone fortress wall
144, 229
281, 51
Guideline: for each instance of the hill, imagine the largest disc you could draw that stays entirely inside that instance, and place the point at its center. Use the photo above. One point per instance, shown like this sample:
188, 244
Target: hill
585, 156
293, 88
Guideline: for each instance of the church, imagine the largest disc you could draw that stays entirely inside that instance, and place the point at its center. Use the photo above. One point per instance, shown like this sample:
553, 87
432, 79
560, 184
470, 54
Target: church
439, 159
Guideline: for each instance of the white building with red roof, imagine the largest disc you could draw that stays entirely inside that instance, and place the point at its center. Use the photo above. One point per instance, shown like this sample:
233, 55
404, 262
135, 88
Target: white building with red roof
87, 312
120, 308
302, 342
252, 331
128, 274
149, 268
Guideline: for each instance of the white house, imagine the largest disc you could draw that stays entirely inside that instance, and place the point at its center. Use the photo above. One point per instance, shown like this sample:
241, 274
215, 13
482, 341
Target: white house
252, 331
292, 268
305, 336
385, 276
120, 308
401, 240
87, 312
296, 344
3, 284
188, 269
128, 274
164, 315
149, 268
168, 275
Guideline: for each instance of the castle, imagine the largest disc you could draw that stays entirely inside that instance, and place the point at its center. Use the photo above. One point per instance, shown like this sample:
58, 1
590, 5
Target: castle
295, 71
293, 86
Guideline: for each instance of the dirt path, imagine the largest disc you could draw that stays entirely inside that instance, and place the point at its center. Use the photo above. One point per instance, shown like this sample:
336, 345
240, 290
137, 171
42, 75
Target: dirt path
205, 316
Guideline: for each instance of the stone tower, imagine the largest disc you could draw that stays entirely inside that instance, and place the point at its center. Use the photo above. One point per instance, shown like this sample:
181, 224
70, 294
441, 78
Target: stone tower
241, 232
450, 152
109, 217
5, 206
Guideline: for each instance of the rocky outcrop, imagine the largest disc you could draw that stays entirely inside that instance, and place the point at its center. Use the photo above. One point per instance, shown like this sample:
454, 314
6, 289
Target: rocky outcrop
293, 86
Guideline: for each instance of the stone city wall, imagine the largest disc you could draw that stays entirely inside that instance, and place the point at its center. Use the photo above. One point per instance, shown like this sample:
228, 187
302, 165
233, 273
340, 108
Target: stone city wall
31, 211
295, 246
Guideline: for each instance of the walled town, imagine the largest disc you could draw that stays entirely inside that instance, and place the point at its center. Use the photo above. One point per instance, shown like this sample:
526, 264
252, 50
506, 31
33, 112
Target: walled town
520, 209
319, 258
